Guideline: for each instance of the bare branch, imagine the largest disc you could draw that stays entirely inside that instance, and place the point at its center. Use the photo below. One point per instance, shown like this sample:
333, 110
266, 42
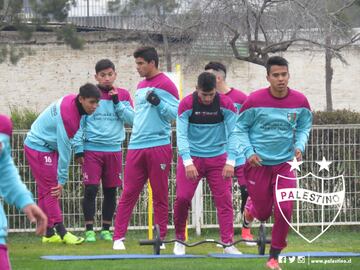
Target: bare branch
349, 4
307, 10
248, 25
353, 39
258, 18
263, 31
233, 45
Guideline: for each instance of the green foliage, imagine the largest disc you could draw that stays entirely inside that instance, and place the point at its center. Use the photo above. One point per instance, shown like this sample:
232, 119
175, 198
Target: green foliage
336, 117
42, 11
69, 35
22, 118
3, 53
25, 31
13, 53
52, 9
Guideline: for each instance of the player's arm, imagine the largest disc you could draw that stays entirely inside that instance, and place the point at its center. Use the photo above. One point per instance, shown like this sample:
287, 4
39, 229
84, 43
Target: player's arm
303, 127
230, 117
64, 150
77, 142
182, 125
166, 103
168, 108
12, 189
241, 131
36, 216
123, 108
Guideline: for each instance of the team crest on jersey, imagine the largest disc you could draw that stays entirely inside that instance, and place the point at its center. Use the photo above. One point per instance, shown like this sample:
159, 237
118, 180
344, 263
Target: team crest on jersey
163, 166
291, 117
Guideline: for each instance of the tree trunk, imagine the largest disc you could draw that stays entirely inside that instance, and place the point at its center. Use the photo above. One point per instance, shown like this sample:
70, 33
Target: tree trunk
328, 74
167, 53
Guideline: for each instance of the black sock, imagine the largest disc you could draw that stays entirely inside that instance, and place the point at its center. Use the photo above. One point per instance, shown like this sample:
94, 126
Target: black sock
274, 253
109, 203
244, 196
88, 202
106, 227
89, 227
246, 224
50, 232
60, 229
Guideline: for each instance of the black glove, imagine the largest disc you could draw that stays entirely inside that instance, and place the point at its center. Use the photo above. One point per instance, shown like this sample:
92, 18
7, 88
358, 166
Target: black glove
115, 98
79, 155
106, 88
152, 98
79, 158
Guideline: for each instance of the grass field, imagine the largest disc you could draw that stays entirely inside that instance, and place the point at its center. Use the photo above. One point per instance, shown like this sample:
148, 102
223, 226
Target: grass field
26, 249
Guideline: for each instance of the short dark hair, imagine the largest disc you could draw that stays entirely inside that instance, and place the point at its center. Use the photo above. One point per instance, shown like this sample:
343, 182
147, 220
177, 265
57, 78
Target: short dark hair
104, 64
89, 90
216, 66
206, 81
148, 53
276, 61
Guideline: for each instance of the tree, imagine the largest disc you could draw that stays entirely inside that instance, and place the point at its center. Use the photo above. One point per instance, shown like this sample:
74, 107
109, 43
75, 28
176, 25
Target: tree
174, 20
337, 30
24, 17
265, 27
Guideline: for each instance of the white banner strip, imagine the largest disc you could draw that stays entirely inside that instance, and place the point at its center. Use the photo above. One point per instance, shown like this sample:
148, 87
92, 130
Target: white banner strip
305, 195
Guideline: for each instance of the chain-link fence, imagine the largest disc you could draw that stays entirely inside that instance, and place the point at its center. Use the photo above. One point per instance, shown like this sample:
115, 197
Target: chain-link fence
339, 144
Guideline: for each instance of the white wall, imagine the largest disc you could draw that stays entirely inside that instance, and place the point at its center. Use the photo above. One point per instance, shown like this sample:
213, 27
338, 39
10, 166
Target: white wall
56, 70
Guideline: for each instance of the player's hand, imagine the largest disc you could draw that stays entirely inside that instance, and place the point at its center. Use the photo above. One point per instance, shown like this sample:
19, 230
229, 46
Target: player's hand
37, 216
152, 98
79, 160
191, 172
114, 95
228, 171
255, 161
56, 191
298, 154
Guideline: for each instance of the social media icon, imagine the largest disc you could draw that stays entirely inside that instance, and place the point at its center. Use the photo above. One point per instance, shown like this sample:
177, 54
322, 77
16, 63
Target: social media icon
301, 259
292, 259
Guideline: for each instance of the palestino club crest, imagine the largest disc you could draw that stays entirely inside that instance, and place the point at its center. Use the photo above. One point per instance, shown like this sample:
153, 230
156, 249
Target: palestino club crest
291, 118
315, 200
163, 166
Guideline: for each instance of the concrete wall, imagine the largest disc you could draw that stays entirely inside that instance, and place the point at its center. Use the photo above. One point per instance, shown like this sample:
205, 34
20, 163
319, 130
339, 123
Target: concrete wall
55, 70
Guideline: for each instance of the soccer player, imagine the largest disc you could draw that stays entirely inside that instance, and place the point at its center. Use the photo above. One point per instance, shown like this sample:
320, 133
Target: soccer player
100, 151
14, 192
207, 148
149, 155
238, 98
273, 128
48, 151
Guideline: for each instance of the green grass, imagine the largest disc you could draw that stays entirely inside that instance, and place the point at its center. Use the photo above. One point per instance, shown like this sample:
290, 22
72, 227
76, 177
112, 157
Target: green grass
23, 117
26, 249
